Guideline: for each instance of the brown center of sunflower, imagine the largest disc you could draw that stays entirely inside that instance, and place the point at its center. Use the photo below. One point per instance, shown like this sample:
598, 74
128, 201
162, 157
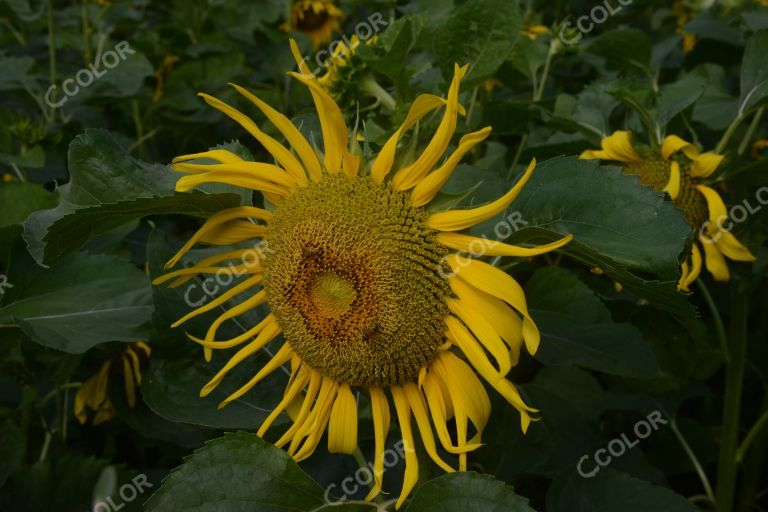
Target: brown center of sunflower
353, 279
309, 19
655, 172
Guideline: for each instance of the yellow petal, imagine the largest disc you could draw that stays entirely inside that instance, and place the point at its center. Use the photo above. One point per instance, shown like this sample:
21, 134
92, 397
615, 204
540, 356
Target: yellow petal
221, 299
691, 273
318, 419
419, 408
427, 188
715, 204
220, 155
730, 246
135, 365
281, 357
715, 262
292, 134
479, 247
672, 144
277, 150
498, 283
234, 232
483, 331
705, 164
315, 381
244, 307
456, 220
259, 170
380, 413
422, 105
408, 177
411, 461
130, 386
291, 393
673, 185
187, 183
617, 147
342, 428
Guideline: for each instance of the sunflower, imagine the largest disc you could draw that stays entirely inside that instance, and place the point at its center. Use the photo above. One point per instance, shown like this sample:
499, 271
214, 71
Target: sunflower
317, 19
533, 32
365, 284
93, 394
678, 168
683, 15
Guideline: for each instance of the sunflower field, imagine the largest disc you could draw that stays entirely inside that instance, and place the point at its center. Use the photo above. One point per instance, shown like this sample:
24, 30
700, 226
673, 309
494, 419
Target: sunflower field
379, 255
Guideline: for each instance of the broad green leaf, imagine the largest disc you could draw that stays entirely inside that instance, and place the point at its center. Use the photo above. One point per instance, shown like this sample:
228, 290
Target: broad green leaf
108, 189
619, 225
754, 73
17, 201
389, 54
577, 329
676, 97
627, 49
611, 490
460, 492
81, 302
240, 472
480, 33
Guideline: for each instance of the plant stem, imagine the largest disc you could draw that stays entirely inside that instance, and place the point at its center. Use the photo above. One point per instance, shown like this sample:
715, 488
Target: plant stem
728, 134
750, 132
545, 73
139, 128
373, 88
695, 461
717, 318
734, 377
759, 424
518, 154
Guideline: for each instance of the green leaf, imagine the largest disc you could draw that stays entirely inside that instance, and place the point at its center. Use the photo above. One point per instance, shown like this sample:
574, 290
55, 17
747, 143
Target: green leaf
459, 492
393, 46
619, 225
611, 490
107, 190
577, 329
481, 33
754, 73
83, 301
676, 97
240, 472
18, 199
628, 49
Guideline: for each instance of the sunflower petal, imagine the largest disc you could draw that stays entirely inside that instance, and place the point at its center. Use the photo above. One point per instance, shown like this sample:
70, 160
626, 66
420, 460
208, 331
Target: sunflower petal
380, 413
705, 164
484, 247
342, 428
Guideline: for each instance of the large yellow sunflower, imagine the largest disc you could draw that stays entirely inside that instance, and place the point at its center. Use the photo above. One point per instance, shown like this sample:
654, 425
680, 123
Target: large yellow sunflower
317, 19
365, 284
678, 168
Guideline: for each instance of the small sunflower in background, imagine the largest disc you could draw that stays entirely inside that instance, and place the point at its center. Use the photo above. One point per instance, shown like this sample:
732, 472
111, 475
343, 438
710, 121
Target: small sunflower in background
365, 284
683, 15
679, 169
534, 31
317, 19
347, 78
758, 148
92, 398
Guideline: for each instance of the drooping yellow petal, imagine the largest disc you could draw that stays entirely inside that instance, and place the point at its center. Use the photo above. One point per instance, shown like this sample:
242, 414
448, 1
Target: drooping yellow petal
315, 382
691, 271
426, 189
380, 413
672, 144
292, 391
234, 232
730, 246
292, 134
411, 461
419, 408
408, 177
617, 147
717, 211
238, 340
479, 247
221, 299
264, 337
498, 283
465, 390
673, 185
284, 157
135, 365
714, 261
239, 212
421, 106
258, 170
187, 183
129, 383
247, 305
484, 333
456, 220
281, 357
705, 164
335, 134
183, 276
318, 419
342, 428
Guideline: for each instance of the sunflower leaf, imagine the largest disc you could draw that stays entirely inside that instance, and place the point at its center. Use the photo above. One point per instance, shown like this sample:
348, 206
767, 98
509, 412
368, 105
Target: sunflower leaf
458, 492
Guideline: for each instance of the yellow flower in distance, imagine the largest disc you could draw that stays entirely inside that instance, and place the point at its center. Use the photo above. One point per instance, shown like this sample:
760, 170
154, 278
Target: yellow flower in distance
93, 395
534, 31
317, 19
678, 168
365, 284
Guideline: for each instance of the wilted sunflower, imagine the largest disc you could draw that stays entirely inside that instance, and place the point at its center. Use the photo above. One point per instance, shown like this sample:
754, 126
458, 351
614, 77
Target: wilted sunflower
365, 284
93, 395
678, 168
317, 19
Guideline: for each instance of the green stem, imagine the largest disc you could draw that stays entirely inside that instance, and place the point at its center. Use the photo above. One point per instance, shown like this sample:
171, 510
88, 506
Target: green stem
751, 131
471, 108
518, 154
545, 73
695, 461
734, 377
721, 338
729, 134
756, 428
139, 128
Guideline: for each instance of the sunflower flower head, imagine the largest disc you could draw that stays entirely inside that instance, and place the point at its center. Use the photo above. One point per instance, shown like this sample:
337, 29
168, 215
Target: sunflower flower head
317, 19
680, 169
92, 397
366, 286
